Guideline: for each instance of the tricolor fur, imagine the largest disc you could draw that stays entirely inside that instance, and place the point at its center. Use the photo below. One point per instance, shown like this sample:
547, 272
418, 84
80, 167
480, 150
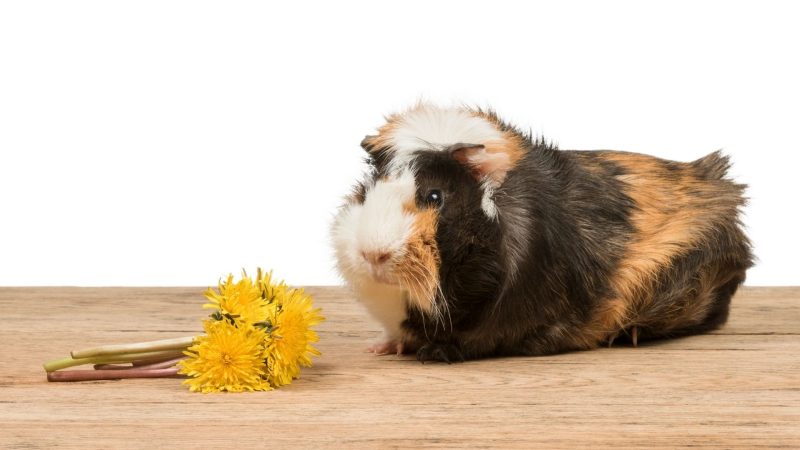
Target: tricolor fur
468, 238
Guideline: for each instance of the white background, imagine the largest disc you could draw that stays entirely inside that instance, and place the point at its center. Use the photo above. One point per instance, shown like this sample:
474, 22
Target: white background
169, 143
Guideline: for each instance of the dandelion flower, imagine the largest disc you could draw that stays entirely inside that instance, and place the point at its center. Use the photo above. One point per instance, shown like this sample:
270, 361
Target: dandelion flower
270, 291
242, 300
292, 317
227, 358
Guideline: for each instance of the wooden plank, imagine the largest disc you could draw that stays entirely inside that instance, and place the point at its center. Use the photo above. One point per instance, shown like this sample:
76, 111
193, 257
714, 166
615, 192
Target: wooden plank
738, 387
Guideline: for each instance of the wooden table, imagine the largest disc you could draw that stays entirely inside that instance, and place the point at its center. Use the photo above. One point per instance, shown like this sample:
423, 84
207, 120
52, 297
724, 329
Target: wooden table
737, 387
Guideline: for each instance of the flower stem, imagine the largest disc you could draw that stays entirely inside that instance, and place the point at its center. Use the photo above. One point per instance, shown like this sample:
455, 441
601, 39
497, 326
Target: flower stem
149, 361
63, 363
153, 365
161, 364
112, 367
139, 347
86, 375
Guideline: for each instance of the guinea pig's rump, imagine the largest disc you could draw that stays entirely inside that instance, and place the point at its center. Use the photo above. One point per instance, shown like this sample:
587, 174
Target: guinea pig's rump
687, 254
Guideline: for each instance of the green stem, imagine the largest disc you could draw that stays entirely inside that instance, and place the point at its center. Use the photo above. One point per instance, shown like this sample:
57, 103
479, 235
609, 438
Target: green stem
63, 363
139, 347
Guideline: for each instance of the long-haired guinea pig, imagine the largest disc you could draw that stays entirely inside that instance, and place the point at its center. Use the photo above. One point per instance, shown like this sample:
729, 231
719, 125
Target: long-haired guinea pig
468, 238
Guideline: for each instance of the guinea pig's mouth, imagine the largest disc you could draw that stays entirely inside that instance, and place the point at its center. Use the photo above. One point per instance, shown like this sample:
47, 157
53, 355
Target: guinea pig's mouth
384, 278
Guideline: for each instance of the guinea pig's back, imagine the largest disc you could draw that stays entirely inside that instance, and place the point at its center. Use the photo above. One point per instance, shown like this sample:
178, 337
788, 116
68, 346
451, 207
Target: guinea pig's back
687, 252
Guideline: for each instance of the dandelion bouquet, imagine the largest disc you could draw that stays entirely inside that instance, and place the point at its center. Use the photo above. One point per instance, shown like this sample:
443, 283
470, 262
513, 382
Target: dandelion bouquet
257, 337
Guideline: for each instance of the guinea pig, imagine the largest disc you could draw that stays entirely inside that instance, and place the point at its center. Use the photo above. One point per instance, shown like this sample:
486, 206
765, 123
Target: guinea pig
469, 238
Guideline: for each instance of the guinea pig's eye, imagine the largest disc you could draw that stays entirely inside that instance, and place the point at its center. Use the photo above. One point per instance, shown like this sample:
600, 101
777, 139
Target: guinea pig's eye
434, 198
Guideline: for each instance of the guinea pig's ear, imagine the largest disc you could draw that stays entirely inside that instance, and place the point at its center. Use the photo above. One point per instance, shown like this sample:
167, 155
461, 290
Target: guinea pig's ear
368, 142
483, 164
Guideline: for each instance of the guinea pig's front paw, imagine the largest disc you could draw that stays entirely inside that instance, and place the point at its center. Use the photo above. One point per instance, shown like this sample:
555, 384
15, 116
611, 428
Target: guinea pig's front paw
386, 348
448, 353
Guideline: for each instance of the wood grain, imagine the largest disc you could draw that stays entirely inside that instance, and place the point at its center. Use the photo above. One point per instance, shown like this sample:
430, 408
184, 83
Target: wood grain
738, 387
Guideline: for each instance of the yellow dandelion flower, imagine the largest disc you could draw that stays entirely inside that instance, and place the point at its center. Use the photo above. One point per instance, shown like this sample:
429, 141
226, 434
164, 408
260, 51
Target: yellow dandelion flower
291, 337
242, 300
227, 358
270, 291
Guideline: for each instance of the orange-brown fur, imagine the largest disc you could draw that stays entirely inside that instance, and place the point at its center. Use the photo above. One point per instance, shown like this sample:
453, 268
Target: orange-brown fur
385, 133
675, 211
419, 267
512, 144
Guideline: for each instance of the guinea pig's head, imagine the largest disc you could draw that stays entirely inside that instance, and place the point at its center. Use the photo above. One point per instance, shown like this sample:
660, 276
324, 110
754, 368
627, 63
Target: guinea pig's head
424, 210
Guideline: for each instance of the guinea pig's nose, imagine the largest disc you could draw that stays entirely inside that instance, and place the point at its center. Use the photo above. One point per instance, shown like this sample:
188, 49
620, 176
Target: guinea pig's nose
376, 257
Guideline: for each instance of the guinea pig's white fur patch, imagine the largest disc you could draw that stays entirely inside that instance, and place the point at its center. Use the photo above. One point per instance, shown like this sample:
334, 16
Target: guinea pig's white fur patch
380, 224
487, 202
384, 224
432, 127
386, 303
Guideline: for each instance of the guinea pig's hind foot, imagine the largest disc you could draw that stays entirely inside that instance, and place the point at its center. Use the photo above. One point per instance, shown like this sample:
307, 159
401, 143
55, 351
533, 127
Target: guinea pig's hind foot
386, 348
633, 333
